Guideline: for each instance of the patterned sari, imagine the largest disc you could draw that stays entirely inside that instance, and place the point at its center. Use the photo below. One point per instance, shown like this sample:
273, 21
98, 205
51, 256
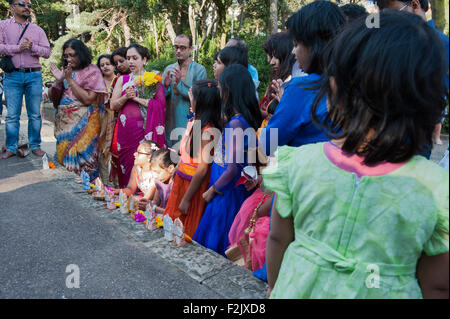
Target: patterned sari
133, 128
77, 126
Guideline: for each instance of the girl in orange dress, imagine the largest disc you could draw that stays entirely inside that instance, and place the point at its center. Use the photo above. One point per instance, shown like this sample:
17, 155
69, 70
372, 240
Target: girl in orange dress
193, 172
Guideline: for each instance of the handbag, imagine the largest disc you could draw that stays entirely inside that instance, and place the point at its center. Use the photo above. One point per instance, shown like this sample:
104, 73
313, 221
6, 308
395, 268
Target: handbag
6, 63
234, 253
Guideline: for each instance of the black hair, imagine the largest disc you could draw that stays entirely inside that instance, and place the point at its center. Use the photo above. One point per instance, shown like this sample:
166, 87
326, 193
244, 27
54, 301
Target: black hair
238, 94
240, 44
207, 103
122, 51
389, 91
353, 11
81, 50
280, 46
149, 147
103, 56
207, 106
142, 51
233, 55
314, 26
162, 158
185, 36
383, 4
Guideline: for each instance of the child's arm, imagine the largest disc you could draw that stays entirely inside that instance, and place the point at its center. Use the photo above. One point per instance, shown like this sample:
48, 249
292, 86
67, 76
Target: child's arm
234, 158
280, 236
156, 198
197, 179
147, 197
132, 184
432, 273
264, 210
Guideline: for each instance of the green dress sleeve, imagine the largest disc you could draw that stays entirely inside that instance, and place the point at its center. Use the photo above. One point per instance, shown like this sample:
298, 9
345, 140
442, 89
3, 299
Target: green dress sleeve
438, 243
276, 178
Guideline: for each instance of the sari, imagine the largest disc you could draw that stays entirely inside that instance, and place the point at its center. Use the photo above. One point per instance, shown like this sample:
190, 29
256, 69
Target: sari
185, 171
108, 123
77, 126
133, 128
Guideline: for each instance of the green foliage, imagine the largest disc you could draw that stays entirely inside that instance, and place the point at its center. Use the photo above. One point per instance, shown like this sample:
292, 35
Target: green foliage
445, 128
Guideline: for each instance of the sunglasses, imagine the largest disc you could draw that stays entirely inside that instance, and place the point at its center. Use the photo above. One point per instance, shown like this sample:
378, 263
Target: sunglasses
23, 4
142, 153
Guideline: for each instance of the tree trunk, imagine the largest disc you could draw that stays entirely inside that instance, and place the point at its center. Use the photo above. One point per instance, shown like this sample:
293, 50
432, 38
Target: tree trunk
170, 30
273, 16
192, 21
438, 13
126, 31
241, 18
155, 34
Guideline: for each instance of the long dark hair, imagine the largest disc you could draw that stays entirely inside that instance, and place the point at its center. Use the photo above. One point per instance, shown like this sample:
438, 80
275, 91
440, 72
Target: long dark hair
81, 50
239, 95
280, 46
389, 88
314, 26
207, 107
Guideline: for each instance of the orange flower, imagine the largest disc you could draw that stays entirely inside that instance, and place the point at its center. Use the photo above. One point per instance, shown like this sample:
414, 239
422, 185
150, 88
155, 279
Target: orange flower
138, 80
51, 165
158, 78
187, 238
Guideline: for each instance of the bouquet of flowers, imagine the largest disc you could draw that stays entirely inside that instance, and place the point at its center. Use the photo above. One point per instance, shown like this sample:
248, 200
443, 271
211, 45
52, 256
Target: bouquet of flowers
147, 84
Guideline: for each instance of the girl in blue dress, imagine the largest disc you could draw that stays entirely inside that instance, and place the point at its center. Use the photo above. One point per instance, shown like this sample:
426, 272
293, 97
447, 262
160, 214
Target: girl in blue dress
224, 198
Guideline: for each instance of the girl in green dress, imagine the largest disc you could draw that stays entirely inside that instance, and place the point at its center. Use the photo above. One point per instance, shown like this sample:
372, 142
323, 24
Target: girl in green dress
362, 216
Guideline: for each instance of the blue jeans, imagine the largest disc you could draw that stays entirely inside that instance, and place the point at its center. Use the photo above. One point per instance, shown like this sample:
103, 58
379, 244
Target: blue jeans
16, 85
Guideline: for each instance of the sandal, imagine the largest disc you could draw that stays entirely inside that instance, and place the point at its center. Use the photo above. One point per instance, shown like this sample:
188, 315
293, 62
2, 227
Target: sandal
7, 154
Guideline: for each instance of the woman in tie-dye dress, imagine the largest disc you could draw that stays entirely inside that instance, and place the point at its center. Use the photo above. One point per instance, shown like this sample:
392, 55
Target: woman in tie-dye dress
79, 93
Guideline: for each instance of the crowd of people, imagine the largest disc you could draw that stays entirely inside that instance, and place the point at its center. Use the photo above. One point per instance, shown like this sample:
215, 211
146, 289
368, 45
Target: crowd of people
324, 177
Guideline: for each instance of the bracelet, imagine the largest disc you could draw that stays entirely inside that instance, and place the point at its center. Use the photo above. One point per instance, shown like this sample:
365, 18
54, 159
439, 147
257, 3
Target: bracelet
216, 191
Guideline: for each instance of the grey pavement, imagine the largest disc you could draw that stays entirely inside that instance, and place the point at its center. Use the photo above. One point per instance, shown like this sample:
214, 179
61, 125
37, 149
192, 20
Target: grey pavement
47, 222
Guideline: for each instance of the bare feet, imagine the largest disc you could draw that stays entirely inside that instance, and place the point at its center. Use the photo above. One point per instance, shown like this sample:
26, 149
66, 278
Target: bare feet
38, 152
438, 141
7, 154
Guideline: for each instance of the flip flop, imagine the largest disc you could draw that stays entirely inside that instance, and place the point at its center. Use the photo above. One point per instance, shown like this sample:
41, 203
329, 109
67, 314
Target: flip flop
7, 154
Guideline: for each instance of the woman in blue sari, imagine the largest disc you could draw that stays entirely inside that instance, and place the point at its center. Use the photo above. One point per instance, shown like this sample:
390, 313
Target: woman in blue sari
241, 112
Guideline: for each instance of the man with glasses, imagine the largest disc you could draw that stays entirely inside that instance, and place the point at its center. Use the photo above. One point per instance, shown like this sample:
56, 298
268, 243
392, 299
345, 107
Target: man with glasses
26, 78
178, 79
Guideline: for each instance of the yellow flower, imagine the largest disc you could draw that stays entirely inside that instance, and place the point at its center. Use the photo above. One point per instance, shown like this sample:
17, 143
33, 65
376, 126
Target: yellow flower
151, 78
159, 222
118, 205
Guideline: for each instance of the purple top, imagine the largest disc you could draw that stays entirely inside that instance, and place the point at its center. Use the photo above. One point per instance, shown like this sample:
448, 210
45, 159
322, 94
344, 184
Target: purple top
10, 31
164, 191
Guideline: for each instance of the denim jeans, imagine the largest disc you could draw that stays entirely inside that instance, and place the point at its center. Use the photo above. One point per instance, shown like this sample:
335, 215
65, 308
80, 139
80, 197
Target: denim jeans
16, 85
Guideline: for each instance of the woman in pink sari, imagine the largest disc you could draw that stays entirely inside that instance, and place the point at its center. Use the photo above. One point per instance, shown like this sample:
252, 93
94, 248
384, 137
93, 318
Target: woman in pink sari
139, 119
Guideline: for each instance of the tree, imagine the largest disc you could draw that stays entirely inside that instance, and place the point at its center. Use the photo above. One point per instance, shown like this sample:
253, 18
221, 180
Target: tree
438, 13
273, 16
